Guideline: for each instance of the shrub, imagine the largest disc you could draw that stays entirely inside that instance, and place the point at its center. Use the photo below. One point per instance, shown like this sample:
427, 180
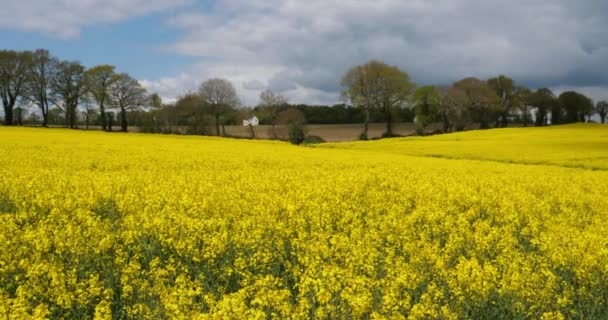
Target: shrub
296, 133
313, 140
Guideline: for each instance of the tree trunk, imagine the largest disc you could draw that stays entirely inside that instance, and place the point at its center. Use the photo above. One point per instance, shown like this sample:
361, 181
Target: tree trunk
603, 118
389, 124
67, 116
504, 120
73, 117
110, 121
123, 119
540, 118
45, 118
274, 131
365, 125
19, 117
102, 111
217, 124
446, 123
252, 131
8, 112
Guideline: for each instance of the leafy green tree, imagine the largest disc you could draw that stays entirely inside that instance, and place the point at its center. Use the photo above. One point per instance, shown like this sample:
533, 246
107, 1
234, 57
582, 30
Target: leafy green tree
98, 81
602, 109
220, 97
192, 113
296, 124
544, 101
426, 101
575, 106
126, 94
506, 90
14, 71
521, 102
56, 116
156, 102
68, 88
377, 85
478, 98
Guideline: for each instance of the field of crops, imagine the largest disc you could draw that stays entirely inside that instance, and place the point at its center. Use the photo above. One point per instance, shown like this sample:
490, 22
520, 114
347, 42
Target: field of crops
508, 223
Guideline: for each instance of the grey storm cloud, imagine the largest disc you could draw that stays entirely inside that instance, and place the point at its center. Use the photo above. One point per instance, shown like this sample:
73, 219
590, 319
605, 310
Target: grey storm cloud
303, 48
549, 43
253, 85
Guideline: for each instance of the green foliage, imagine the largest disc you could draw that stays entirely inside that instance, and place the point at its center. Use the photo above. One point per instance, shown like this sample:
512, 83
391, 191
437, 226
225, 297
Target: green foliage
313, 140
478, 99
426, 105
377, 85
544, 101
296, 133
573, 107
7, 205
424, 98
106, 208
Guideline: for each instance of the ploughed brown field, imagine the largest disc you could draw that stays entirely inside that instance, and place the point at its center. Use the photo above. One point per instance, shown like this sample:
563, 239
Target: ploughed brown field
329, 132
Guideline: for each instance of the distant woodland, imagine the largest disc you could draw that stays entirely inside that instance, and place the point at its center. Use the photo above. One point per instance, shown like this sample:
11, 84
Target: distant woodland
40, 89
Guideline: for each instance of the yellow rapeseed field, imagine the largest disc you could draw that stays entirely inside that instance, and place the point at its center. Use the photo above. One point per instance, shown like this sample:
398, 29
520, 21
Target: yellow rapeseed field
509, 223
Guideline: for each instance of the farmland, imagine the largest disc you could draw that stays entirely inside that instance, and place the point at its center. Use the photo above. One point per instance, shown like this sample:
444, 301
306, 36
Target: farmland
507, 223
328, 132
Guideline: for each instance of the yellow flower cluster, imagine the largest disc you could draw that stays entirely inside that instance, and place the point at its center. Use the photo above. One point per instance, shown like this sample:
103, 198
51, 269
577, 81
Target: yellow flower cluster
97, 225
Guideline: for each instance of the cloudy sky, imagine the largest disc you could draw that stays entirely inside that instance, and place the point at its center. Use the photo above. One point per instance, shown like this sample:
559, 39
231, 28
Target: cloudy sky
302, 48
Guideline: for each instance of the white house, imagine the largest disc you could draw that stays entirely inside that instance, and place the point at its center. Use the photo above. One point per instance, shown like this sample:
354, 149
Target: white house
251, 122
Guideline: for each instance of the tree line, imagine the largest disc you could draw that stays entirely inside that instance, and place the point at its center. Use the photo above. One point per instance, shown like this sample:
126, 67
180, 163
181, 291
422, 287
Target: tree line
495, 102
67, 87
67, 93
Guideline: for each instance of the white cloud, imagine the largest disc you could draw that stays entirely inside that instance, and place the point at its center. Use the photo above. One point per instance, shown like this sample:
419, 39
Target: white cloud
249, 80
304, 47
65, 18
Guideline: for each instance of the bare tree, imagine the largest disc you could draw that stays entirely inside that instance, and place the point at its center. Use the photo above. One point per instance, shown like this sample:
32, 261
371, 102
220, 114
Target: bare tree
38, 90
220, 96
271, 105
126, 94
377, 85
14, 70
479, 98
68, 87
98, 81
359, 90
